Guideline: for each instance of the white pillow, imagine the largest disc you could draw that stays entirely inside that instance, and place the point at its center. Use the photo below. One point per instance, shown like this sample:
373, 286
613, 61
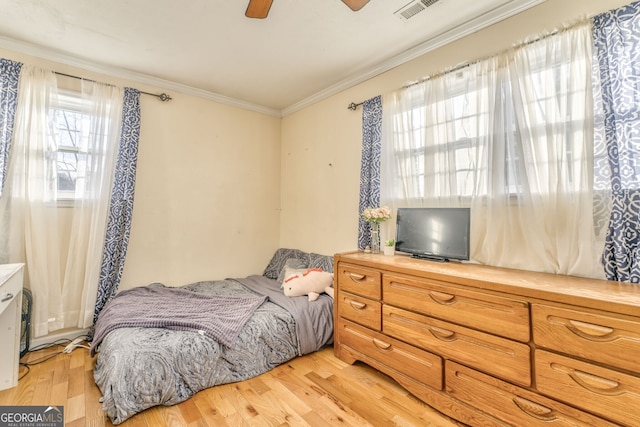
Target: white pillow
289, 272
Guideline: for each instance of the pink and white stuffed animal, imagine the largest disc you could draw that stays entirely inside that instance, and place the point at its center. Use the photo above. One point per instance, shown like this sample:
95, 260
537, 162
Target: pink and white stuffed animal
311, 282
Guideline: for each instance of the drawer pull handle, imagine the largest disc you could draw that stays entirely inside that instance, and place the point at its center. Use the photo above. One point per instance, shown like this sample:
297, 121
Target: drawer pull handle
533, 409
381, 344
357, 305
442, 334
588, 330
7, 297
442, 298
357, 277
595, 384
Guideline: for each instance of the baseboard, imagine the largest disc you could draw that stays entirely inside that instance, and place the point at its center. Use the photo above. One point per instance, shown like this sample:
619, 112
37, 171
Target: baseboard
67, 334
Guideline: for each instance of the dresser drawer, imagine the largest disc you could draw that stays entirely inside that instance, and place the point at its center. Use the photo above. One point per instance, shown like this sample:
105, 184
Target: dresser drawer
359, 280
596, 337
410, 361
360, 310
494, 314
499, 356
605, 392
512, 404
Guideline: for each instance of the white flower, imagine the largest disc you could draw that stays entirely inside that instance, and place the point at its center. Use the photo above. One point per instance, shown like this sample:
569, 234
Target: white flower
378, 215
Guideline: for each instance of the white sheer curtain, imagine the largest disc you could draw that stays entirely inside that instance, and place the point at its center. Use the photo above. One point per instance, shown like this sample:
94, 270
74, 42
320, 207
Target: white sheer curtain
102, 116
28, 205
511, 137
62, 258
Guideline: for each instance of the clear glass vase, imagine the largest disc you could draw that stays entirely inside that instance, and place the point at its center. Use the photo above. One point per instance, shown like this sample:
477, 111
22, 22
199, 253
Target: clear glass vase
375, 238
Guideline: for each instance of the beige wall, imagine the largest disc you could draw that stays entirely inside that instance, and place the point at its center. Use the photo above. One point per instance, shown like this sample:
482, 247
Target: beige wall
320, 202
207, 201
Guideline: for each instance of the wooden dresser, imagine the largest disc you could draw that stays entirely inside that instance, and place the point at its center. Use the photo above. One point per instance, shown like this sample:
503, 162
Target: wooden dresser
493, 346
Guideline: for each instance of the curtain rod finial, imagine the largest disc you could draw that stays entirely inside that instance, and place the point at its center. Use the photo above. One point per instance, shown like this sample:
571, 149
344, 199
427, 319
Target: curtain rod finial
353, 106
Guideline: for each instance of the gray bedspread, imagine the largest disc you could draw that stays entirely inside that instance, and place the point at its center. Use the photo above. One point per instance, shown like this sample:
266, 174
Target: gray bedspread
313, 329
138, 368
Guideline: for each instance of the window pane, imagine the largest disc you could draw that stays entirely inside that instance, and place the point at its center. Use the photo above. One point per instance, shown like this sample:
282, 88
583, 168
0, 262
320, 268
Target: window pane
69, 123
67, 169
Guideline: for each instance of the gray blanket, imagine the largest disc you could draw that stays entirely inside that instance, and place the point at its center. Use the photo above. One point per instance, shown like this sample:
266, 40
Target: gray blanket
138, 368
157, 306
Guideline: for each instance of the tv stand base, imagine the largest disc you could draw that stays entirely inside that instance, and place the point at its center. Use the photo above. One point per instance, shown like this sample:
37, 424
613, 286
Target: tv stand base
430, 258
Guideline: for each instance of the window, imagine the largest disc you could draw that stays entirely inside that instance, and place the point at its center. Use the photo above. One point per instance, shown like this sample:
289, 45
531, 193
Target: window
69, 156
67, 122
473, 132
440, 141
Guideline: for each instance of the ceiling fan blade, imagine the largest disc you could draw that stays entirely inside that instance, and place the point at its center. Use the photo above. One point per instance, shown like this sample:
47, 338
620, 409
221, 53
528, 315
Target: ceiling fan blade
355, 5
258, 9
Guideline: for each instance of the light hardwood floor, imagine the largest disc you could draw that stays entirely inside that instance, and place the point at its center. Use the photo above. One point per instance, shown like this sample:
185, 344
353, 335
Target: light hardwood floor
313, 390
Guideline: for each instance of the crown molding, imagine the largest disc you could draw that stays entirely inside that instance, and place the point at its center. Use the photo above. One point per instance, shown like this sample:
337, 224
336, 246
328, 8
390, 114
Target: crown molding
492, 17
63, 58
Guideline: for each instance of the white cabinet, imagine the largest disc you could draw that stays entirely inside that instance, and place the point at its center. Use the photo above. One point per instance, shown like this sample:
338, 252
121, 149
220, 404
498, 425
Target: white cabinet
11, 279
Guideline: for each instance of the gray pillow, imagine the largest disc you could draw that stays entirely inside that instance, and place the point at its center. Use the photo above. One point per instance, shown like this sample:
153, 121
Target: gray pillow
324, 262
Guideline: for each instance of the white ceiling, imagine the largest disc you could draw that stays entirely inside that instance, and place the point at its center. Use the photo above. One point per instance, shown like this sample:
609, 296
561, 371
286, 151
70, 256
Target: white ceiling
303, 51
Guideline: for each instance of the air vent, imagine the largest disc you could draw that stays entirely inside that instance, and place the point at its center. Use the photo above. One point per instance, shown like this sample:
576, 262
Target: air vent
410, 10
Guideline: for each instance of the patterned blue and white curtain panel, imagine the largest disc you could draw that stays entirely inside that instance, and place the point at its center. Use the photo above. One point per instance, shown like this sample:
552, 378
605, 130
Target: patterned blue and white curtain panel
9, 77
617, 43
121, 205
370, 168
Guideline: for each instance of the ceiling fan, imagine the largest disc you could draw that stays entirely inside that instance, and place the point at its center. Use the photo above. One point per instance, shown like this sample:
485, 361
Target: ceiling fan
260, 8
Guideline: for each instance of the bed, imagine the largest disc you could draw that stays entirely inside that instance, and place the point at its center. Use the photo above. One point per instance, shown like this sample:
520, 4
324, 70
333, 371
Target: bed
143, 362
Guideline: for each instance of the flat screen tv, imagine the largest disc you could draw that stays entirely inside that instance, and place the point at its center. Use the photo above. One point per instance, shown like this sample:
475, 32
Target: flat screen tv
438, 234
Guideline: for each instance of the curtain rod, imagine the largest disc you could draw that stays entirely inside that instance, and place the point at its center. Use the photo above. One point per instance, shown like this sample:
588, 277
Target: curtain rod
516, 46
353, 106
162, 96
